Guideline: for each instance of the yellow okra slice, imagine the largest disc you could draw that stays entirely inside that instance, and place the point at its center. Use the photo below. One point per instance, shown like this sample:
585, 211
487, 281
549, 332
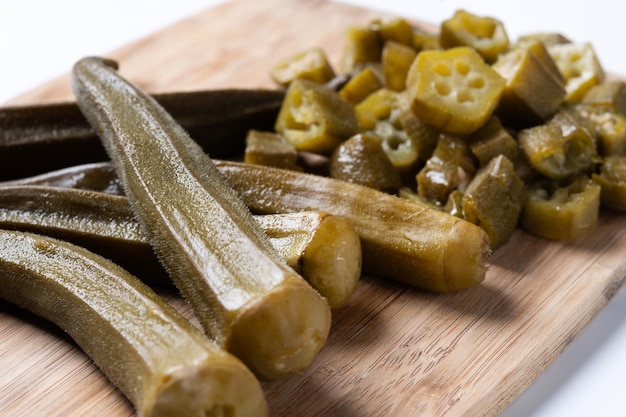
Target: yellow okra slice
401, 240
484, 34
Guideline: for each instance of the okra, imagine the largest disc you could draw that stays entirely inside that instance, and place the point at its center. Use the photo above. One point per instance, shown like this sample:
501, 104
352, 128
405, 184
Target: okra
324, 249
484, 34
612, 180
156, 357
401, 240
527, 71
453, 90
43, 137
246, 298
561, 212
494, 199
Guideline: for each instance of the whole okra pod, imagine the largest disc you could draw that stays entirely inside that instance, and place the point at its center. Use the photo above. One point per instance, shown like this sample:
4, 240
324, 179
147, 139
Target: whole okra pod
246, 298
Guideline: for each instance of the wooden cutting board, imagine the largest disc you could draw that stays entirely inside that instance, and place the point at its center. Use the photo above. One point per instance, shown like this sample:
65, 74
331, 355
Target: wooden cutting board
393, 351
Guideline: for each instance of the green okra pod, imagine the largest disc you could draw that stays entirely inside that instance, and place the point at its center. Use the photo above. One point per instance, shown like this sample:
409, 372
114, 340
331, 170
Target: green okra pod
246, 298
155, 356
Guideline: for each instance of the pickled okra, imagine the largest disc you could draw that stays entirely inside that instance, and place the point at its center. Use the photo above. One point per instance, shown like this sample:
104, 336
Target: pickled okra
607, 126
361, 85
362, 160
410, 243
484, 34
39, 138
158, 359
579, 66
271, 149
396, 60
396, 29
527, 71
559, 149
362, 46
453, 90
245, 297
443, 171
494, 200
610, 95
314, 118
310, 64
560, 212
381, 114
612, 180
324, 249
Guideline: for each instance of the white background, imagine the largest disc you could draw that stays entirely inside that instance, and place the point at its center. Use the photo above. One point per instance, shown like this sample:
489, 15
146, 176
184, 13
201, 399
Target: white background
40, 39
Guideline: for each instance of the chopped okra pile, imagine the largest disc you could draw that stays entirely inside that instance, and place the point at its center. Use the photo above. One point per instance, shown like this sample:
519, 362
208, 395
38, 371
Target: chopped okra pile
501, 132
413, 161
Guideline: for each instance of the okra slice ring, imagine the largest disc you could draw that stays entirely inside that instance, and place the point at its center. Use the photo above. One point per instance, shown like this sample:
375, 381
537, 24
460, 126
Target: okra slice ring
579, 66
246, 298
38, 138
158, 359
484, 34
453, 90
314, 118
494, 200
527, 71
310, 64
561, 212
381, 114
410, 243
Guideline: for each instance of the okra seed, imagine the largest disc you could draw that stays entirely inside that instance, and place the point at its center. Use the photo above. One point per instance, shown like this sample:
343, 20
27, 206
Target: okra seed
443, 87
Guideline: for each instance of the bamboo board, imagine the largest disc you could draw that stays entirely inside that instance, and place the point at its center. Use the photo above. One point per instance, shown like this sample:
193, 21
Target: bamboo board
393, 350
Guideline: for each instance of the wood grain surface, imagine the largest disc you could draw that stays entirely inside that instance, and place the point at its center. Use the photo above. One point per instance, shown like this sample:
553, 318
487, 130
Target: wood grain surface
393, 350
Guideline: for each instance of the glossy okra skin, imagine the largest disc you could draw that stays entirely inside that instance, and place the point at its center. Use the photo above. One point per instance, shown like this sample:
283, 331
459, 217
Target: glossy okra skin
612, 181
561, 212
99, 222
43, 137
362, 160
246, 298
411, 243
157, 358
494, 200
324, 249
